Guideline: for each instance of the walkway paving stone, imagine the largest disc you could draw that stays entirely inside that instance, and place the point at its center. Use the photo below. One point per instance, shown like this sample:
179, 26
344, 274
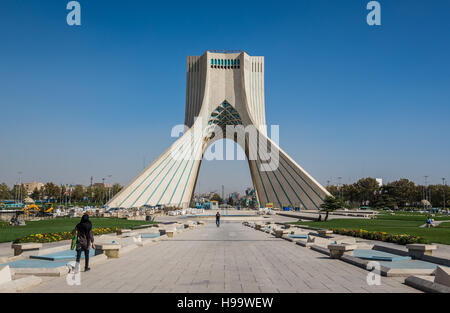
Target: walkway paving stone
209, 259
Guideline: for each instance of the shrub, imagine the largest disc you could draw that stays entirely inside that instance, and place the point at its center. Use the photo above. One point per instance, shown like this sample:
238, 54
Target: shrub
53, 237
402, 239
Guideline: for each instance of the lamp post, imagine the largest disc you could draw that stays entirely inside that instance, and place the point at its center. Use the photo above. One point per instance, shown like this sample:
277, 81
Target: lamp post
443, 191
109, 189
19, 196
340, 187
425, 190
103, 190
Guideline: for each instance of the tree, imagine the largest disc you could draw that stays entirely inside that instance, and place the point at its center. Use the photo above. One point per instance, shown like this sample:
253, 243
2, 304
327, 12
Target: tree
366, 189
331, 204
100, 193
78, 193
402, 192
385, 198
18, 191
332, 189
350, 194
51, 191
115, 189
90, 193
217, 198
36, 194
5, 193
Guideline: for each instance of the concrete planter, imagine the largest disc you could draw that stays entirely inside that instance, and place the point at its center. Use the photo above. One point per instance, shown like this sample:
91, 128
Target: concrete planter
337, 251
417, 251
110, 250
20, 248
278, 233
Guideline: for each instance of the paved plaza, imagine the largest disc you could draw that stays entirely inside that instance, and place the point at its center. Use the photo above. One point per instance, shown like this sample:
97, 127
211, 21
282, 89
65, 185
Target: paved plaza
232, 258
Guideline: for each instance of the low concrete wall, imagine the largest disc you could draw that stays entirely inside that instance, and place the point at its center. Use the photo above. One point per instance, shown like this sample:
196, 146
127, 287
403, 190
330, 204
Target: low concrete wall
426, 285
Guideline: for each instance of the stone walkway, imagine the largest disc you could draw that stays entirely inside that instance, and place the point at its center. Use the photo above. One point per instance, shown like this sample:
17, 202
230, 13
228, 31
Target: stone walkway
232, 258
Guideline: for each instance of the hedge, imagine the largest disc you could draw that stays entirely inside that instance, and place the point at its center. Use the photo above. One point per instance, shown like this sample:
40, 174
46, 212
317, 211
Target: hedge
402, 239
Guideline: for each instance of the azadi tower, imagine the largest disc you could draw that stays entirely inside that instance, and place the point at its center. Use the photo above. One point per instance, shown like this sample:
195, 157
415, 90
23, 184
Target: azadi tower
223, 90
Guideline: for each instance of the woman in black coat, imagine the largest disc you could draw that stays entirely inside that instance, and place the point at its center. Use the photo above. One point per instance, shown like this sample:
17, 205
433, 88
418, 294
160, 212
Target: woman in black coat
85, 238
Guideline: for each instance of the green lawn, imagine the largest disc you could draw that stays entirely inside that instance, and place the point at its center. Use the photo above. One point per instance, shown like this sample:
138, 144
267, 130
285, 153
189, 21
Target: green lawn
8, 233
403, 223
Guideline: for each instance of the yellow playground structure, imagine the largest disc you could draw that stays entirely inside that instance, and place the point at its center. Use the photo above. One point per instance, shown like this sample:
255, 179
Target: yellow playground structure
34, 210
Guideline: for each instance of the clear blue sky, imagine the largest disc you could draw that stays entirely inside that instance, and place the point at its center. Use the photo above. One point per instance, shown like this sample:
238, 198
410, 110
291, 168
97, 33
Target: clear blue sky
351, 100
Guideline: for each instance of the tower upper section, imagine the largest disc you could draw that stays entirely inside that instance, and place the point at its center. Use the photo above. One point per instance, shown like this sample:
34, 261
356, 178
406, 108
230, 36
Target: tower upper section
231, 76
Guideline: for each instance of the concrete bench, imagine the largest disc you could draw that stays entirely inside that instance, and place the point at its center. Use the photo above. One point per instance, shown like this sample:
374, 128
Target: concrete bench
278, 233
170, 233
122, 231
189, 225
20, 248
324, 242
338, 250
111, 250
417, 250
324, 232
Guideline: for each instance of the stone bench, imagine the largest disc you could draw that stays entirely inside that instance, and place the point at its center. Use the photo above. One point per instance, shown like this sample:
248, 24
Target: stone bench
417, 250
170, 233
20, 248
111, 250
122, 231
338, 250
324, 242
324, 232
278, 233
189, 225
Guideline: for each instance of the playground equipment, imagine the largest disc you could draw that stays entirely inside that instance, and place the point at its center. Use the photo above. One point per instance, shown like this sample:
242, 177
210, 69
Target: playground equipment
34, 210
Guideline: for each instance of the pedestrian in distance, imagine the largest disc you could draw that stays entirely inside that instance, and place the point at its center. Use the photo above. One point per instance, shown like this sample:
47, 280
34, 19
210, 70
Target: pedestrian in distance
217, 219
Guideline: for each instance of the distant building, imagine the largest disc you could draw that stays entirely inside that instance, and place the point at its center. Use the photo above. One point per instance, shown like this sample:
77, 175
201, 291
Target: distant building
379, 181
104, 185
31, 186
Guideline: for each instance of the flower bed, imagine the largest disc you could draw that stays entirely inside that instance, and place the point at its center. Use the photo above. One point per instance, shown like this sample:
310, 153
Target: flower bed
402, 239
53, 237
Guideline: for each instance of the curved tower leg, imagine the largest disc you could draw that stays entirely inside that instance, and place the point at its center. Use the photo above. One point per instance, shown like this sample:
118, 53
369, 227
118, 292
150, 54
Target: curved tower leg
278, 179
169, 180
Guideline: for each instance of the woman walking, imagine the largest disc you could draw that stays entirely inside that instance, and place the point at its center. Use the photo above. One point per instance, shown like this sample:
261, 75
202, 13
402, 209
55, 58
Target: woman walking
85, 238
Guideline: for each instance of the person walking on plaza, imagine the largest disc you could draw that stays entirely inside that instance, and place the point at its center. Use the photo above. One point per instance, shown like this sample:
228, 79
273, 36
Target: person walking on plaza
85, 238
218, 219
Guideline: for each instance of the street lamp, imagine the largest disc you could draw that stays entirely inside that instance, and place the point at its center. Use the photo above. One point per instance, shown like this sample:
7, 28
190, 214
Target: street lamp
19, 192
340, 187
443, 190
109, 189
103, 190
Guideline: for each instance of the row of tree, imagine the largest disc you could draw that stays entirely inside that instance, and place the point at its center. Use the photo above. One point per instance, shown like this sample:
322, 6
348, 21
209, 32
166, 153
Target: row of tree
401, 193
56, 193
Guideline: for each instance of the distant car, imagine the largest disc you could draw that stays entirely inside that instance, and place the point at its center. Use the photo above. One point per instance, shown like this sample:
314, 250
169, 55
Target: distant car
112, 210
